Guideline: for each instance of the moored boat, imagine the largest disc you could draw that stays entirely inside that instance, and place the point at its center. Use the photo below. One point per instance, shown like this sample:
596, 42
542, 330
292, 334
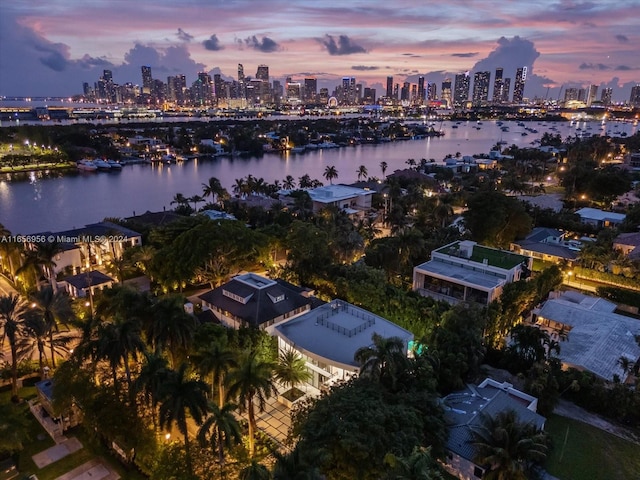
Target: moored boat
86, 165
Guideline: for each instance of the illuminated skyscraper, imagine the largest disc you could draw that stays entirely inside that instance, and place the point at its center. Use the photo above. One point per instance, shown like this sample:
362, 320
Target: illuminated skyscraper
147, 81
389, 87
348, 91
591, 94
498, 86
570, 94
605, 96
446, 92
369, 96
432, 91
310, 89
461, 89
263, 73
634, 100
481, 82
421, 92
518, 87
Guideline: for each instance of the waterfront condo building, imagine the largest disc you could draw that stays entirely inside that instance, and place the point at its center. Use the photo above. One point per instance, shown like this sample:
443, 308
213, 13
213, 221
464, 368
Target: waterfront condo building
465, 272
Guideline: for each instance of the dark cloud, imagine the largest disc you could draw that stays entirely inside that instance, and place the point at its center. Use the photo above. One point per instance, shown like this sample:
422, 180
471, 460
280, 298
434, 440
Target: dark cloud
465, 55
364, 68
88, 61
593, 66
622, 38
344, 45
624, 68
212, 43
184, 36
266, 45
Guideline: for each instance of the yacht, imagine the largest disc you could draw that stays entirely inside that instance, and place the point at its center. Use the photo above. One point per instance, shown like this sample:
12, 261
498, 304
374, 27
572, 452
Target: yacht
86, 165
102, 164
115, 166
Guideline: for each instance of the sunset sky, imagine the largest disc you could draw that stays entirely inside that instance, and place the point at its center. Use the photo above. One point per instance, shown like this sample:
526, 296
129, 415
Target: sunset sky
49, 47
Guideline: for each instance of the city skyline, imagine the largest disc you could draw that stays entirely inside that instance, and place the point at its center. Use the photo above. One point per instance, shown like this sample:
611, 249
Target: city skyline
51, 48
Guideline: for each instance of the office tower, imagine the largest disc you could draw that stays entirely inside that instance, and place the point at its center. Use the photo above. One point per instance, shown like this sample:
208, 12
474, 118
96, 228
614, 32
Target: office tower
108, 75
202, 89
263, 73
421, 91
498, 86
310, 89
389, 87
396, 89
461, 89
294, 92
323, 95
369, 96
86, 89
432, 92
157, 90
147, 80
507, 87
414, 95
605, 96
591, 93
582, 95
481, 82
446, 92
518, 87
218, 87
348, 91
404, 91
634, 99
240, 73
570, 94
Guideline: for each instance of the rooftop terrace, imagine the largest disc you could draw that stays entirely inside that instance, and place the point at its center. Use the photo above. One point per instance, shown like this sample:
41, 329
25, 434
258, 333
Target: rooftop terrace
495, 258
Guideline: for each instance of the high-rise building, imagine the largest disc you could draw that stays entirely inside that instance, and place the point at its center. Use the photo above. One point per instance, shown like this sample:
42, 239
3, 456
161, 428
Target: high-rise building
263, 73
518, 87
432, 91
405, 91
396, 90
202, 89
294, 92
634, 99
571, 94
421, 91
389, 87
461, 89
507, 87
369, 96
323, 96
605, 96
582, 97
481, 81
498, 86
446, 92
591, 94
310, 89
348, 91
147, 80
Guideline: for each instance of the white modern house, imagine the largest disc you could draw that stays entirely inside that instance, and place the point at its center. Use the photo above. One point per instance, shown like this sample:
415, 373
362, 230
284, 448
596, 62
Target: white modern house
467, 272
328, 337
352, 200
465, 410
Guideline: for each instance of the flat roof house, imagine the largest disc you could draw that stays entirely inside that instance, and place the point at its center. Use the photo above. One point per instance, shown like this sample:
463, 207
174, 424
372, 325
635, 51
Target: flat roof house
328, 337
354, 201
596, 337
250, 300
467, 272
600, 218
464, 411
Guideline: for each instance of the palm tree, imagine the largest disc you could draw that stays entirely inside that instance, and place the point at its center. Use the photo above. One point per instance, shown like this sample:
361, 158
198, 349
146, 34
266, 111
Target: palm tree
291, 369
55, 310
169, 327
442, 212
251, 380
255, 471
289, 183
216, 359
382, 360
212, 189
179, 199
42, 258
12, 313
507, 447
305, 181
7, 252
239, 187
417, 466
180, 395
220, 429
383, 167
362, 172
411, 162
150, 380
36, 335
330, 173
196, 199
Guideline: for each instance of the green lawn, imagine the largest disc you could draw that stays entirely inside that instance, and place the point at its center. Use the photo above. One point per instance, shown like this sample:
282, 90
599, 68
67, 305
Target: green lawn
589, 453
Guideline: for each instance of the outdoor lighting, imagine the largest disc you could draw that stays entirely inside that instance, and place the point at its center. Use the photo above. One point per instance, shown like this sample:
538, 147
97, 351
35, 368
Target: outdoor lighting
86, 304
33, 305
167, 436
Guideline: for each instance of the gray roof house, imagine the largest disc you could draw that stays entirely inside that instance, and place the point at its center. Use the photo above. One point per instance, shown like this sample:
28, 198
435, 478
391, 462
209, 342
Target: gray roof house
596, 336
250, 300
600, 218
464, 411
547, 244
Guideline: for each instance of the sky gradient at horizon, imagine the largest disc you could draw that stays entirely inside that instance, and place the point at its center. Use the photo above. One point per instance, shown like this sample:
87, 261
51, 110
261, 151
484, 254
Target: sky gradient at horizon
49, 47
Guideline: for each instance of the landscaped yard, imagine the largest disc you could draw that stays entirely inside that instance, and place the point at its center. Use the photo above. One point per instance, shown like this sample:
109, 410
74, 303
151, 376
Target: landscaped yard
589, 453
